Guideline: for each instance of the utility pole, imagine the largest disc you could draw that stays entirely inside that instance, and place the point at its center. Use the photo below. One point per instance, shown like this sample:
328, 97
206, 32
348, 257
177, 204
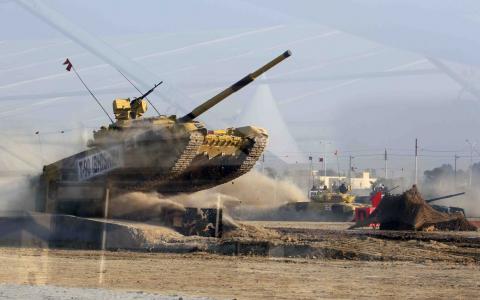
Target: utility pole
471, 163
471, 166
416, 161
310, 158
350, 171
386, 167
338, 163
403, 180
455, 171
325, 160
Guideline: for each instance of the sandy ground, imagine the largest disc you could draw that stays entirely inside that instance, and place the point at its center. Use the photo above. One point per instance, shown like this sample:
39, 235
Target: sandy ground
51, 292
246, 277
305, 225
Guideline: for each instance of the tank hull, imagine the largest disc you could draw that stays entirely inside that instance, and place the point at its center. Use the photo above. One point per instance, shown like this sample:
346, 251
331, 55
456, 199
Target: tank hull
179, 160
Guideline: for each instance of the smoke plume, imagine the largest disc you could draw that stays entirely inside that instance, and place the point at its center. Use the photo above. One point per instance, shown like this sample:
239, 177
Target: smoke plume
442, 181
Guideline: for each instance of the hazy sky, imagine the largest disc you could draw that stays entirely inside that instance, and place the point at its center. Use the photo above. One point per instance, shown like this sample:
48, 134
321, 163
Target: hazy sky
362, 77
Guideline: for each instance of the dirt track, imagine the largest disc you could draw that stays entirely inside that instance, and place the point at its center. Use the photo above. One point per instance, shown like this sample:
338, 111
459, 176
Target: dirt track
332, 263
238, 277
333, 241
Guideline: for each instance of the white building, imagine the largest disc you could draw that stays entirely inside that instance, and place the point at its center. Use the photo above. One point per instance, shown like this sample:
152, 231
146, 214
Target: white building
357, 183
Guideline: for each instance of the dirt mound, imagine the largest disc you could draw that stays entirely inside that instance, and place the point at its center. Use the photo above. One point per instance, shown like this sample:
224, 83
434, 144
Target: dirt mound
409, 211
251, 232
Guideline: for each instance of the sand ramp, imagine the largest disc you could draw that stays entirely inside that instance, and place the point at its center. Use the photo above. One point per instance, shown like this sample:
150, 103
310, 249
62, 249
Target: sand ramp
409, 211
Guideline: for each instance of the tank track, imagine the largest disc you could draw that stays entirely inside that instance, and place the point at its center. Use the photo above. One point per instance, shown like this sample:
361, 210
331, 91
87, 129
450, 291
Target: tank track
182, 163
253, 154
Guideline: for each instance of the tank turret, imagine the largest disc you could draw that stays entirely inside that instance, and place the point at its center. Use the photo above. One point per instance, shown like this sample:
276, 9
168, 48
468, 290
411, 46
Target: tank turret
126, 109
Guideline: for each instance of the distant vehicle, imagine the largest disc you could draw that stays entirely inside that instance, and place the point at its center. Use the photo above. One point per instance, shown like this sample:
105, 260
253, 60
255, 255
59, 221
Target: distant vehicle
324, 204
444, 208
448, 209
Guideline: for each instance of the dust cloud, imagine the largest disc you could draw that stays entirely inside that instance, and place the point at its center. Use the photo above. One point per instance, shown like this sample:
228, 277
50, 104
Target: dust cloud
17, 193
22, 156
141, 206
253, 189
442, 181
19, 170
470, 202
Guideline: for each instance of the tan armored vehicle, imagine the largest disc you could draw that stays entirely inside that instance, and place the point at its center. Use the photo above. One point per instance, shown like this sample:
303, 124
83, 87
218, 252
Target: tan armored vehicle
324, 204
162, 154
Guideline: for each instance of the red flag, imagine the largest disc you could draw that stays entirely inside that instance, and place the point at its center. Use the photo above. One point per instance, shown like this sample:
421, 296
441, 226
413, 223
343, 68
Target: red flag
69, 64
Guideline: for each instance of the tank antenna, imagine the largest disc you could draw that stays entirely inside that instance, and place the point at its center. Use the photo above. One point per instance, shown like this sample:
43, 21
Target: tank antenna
70, 67
138, 91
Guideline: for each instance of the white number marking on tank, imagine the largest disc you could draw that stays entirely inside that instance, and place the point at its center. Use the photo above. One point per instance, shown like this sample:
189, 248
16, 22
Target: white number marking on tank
98, 163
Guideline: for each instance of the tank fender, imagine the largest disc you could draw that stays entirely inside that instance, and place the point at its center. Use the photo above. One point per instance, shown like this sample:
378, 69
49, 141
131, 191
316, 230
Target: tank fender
251, 131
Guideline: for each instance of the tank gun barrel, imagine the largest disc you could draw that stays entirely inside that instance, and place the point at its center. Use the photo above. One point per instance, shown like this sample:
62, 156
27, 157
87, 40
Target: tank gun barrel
233, 88
444, 197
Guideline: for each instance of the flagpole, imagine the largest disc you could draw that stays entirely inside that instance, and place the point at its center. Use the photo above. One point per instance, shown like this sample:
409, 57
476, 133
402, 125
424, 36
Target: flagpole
70, 66
91, 93
338, 164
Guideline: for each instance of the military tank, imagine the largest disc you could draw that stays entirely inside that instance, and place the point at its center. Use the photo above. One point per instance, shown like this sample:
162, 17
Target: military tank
162, 154
324, 204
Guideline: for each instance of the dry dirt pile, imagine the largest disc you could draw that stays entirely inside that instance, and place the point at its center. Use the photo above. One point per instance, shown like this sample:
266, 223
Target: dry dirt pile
251, 232
409, 211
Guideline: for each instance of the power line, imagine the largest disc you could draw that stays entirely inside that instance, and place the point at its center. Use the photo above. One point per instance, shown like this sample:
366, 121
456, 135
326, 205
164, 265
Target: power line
448, 151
